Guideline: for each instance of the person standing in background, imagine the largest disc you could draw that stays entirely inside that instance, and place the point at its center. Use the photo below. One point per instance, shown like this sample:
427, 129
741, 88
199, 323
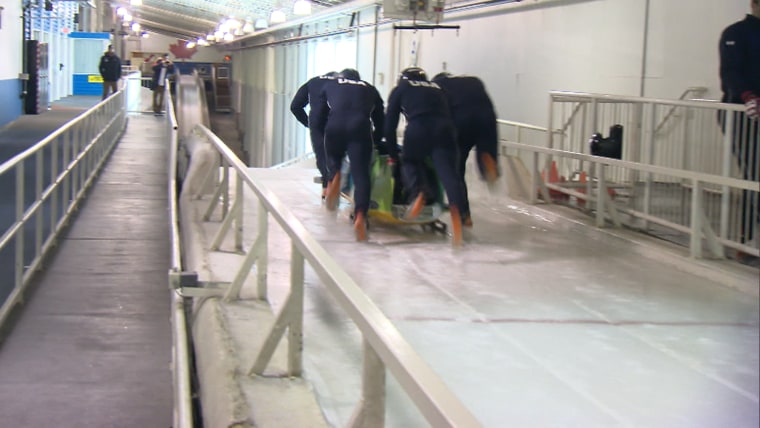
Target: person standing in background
110, 71
308, 94
161, 72
739, 50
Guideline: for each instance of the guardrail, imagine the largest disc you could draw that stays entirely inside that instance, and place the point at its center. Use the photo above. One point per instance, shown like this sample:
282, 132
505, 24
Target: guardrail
675, 136
63, 166
383, 346
182, 387
598, 194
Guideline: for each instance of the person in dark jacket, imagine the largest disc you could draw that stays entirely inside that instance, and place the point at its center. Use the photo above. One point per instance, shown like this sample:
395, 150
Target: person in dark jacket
740, 81
163, 69
475, 121
307, 92
429, 133
110, 71
351, 113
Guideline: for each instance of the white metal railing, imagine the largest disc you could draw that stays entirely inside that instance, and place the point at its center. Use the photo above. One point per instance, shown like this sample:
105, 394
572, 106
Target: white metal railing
696, 223
678, 136
383, 346
693, 217
48, 181
181, 367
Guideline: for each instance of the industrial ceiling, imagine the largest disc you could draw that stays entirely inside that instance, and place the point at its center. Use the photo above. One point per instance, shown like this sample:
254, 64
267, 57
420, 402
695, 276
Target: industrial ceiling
191, 19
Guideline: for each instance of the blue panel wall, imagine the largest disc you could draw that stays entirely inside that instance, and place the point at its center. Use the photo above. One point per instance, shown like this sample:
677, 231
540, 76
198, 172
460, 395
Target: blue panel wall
84, 86
10, 108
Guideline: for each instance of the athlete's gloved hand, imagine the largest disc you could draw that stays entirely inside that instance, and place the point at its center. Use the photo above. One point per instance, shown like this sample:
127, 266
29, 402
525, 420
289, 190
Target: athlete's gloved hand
751, 102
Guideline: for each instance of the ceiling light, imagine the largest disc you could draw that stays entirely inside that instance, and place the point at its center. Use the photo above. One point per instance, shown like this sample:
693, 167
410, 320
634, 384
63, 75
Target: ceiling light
260, 24
228, 37
277, 16
210, 37
248, 27
136, 27
121, 11
145, 35
190, 44
135, 2
302, 7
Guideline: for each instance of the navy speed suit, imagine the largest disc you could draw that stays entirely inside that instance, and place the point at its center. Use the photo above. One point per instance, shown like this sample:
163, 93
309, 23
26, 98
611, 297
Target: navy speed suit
307, 94
429, 132
474, 119
739, 50
352, 111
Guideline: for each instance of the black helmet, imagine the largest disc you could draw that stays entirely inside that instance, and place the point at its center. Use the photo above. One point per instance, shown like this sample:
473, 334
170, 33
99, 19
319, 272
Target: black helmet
350, 74
331, 74
413, 73
441, 75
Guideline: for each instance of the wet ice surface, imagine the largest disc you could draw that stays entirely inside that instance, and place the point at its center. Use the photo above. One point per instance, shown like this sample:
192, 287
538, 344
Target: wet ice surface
535, 322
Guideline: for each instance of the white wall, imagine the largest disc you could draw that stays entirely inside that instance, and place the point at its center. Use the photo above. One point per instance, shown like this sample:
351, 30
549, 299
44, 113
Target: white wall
591, 46
10, 35
524, 50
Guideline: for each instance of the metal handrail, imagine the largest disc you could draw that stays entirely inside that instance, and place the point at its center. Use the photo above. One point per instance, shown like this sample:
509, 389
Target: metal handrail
183, 405
85, 144
606, 209
384, 346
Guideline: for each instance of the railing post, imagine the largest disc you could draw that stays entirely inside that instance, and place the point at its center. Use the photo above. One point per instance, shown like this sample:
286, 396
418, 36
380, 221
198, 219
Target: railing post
600, 192
370, 411
725, 198
19, 262
66, 164
262, 261
295, 330
696, 219
239, 213
38, 197
53, 179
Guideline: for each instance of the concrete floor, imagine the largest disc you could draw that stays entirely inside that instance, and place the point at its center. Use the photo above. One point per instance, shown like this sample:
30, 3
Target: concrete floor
91, 346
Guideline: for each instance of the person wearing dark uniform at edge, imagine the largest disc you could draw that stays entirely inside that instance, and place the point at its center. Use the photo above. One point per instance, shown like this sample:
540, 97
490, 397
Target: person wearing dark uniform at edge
739, 50
308, 94
429, 133
475, 121
352, 113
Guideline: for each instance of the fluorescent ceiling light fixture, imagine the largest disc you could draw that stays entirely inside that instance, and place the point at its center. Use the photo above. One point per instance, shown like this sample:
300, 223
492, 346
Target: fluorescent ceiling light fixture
210, 37
302, 7
121, 11
277, 16
145, 35
136, 27
127, 17
248, 27
260, 24
190, 44
135, 2
228, 37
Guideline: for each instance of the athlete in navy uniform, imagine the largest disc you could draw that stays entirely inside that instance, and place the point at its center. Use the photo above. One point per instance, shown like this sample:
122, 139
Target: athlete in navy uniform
429, 133
352, 111
308, 92
475, 121
740, 81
